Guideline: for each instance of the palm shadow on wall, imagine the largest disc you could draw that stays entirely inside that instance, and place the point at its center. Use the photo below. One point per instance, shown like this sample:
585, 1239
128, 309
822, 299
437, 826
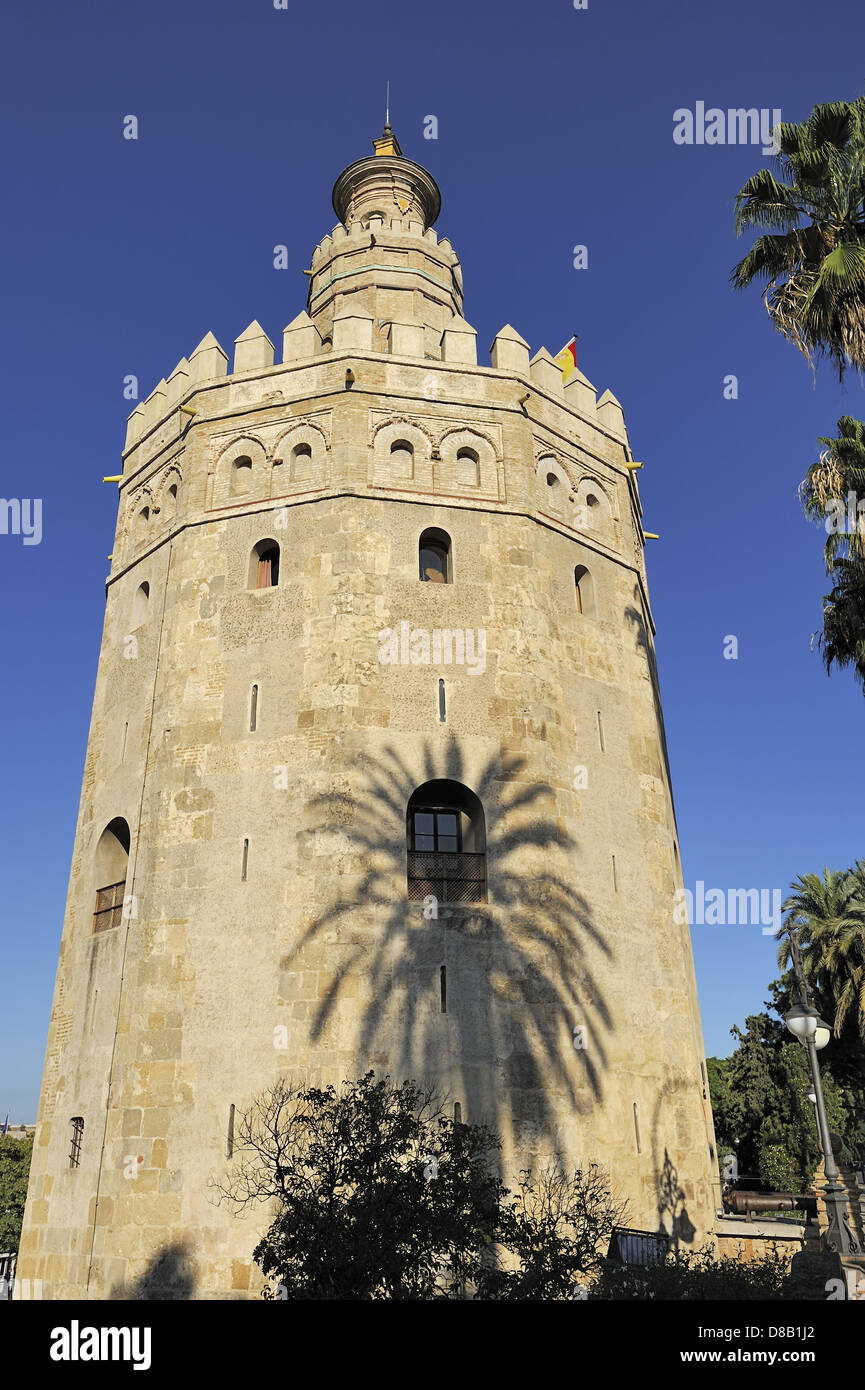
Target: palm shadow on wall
521, 967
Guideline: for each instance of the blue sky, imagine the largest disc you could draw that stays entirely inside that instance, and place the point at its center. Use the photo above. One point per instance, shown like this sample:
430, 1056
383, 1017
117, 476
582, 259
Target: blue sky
554, 129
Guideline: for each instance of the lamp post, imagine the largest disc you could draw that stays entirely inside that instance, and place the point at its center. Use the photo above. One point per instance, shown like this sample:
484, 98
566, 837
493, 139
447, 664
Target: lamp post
813, 1033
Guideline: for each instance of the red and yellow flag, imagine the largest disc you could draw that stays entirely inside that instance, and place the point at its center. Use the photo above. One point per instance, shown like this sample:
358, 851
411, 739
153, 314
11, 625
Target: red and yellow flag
567, 358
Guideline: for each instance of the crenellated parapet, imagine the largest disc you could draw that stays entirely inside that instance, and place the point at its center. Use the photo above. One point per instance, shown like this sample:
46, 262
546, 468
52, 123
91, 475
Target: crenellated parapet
511, 434
393, 267
205, 377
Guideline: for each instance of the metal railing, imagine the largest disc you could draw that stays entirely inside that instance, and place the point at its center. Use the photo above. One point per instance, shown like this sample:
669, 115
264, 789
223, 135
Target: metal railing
7, 1274
451, 878
638, 1247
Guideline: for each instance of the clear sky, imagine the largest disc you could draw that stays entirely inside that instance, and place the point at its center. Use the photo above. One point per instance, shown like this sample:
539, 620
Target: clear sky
555, 129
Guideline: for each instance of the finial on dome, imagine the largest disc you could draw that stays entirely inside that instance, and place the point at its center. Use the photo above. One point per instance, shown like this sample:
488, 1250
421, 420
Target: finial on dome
388, 143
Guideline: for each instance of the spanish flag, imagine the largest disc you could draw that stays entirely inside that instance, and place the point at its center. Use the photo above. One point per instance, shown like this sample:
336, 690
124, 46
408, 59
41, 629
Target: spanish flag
567, 358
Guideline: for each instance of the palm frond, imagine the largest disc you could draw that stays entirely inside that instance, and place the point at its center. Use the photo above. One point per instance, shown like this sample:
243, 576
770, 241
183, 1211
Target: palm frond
815, 270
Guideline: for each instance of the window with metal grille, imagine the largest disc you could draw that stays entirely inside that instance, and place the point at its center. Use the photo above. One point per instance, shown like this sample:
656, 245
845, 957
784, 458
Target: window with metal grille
76, 1135
451, 878
111, 864
446, 851
109, 906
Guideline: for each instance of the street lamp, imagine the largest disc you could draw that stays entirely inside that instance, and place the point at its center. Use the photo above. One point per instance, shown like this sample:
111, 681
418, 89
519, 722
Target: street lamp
813, 1033
823, 1034
806, 1024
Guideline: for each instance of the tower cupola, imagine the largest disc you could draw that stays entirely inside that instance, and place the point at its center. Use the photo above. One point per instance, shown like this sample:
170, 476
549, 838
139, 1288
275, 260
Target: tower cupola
384, 260
387, 184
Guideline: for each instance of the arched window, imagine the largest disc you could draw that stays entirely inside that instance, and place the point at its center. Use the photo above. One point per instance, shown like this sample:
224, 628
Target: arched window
593, 511
402, 458
264, 566
142, 525
446, 844
434, 555
584, 591
110, 866
468, 467
241, 474
301, 461
171, 504
548, 470
140, 604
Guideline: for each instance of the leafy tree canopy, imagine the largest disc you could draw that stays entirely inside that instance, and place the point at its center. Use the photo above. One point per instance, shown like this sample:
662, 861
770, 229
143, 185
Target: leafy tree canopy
379, 1195
15, 1156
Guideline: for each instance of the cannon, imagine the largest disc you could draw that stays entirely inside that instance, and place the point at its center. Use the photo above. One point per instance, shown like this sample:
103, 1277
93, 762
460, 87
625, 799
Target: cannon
749, 1203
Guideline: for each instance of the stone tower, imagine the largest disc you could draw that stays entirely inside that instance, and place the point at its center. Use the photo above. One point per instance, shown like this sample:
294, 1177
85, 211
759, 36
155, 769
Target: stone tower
376, 775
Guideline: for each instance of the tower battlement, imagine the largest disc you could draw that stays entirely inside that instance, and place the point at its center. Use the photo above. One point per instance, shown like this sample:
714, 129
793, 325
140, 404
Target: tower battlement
540, 445
206, 371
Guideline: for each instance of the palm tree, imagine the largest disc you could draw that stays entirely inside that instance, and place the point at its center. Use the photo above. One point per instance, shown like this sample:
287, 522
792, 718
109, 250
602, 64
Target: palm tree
813, 253
828, 916
842, 640
839, 470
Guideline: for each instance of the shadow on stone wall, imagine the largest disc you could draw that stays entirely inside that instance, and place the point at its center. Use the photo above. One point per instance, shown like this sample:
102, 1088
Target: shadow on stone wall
522, 972
169, 1276
673, 1218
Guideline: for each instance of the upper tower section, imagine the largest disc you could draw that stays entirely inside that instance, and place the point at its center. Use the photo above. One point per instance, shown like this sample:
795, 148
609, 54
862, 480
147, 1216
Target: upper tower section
384, 259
